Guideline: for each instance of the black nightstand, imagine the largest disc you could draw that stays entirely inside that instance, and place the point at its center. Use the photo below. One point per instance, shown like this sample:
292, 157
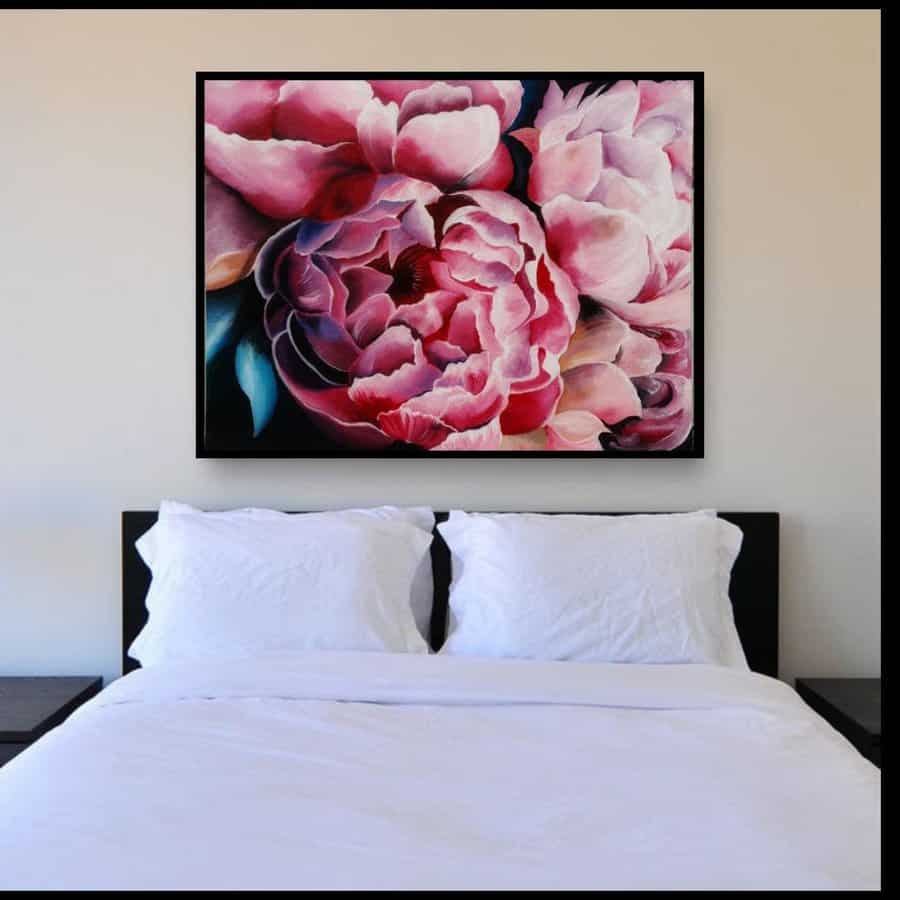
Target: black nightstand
850, 705
29, 707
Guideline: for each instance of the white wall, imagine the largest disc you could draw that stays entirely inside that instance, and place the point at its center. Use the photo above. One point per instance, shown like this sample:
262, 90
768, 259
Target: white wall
97, 294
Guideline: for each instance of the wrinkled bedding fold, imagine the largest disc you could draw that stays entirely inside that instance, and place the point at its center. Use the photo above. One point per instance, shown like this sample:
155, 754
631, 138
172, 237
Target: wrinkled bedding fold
397, 678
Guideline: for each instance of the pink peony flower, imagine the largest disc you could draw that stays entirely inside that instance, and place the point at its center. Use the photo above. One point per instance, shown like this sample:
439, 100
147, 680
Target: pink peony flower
602, 172
316, 148
234, 234
617, 375
612, 173
433, 319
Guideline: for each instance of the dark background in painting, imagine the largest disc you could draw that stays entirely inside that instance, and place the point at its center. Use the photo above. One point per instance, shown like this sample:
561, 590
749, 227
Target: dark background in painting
227, 427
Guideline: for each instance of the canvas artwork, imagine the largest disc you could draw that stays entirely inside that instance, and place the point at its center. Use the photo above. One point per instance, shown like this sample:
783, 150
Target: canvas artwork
413, 265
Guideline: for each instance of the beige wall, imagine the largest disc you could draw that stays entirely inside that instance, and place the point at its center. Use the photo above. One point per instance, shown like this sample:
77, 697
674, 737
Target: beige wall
97, 275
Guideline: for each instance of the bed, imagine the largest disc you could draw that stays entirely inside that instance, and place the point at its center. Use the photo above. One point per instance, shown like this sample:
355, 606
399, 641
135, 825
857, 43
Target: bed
394, 771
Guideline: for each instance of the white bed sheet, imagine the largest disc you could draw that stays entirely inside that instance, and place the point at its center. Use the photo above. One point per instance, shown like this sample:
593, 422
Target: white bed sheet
440, 773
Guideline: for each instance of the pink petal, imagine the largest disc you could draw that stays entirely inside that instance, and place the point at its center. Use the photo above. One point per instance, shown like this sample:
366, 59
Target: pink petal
436, 98
303, 281
330, 341
667, 416
396, 91
324, 112
330, 407
559, 130
602, 389
443, 353
346, 193
613, 110
677, 263
671, 272
511, 91
413, 427
527, 283
575, 430
397, 187
509, 310
676, 348
666, 110
355, 238
419, 225
364, 259
487, 437
513, 212
556, 105
542, 368
571, 167
311, 234
668, 339
678, 363
528, 137
638, 177
377, 127
339, 290
363, 283
275, 316
370, 319
470, 325
640, 355
553, 104
234, 234
554, 328
657, 281
681, 155
379, 203
445, 147
668, 311
429, 314
379, 393
505, 97
398, 240
638, 159
471, 374
495, 174
279, 178
490, 229
440, 272
605, 253
468, 269
596, 339
530, 410
241, 107
613, 190
521, 361
457, 407
386, 353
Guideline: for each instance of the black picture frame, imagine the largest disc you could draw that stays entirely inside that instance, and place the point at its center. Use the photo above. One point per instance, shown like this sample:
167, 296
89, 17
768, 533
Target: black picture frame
691, 448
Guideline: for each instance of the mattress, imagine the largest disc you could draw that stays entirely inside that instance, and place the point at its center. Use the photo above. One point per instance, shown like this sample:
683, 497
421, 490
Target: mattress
371, 770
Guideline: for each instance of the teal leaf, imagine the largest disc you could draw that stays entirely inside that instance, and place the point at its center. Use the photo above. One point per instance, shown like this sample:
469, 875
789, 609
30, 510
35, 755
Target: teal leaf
256, 377
222, 310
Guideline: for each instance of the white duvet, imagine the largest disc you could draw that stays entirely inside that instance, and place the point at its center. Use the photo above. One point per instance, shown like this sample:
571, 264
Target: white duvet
367, 770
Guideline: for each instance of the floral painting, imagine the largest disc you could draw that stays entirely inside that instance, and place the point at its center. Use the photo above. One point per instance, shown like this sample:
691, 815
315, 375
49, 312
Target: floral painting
404, 266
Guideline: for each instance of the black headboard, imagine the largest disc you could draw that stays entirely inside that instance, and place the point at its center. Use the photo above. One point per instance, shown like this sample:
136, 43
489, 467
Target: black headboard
754, 585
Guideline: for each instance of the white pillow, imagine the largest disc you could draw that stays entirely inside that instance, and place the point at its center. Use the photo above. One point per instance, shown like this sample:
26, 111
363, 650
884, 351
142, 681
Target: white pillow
646, 588
422, 592
250, 583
